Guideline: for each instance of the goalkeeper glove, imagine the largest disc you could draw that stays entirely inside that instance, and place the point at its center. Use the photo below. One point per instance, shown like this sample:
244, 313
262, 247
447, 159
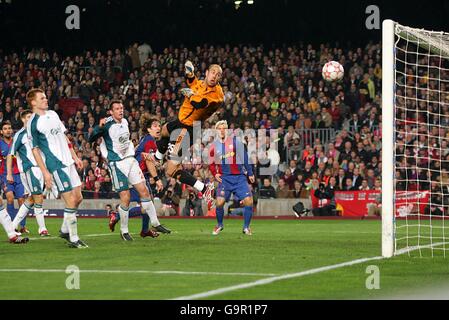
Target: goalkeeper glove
187, 92
189, 69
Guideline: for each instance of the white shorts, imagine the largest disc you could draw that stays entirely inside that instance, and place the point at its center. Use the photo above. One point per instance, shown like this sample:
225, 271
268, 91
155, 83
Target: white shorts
33, 181
66, 179
125, 174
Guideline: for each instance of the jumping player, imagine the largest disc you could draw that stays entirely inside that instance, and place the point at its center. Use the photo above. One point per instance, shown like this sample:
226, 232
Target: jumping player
202, 99
146, 149
57, 161
30, 176
228, 163
13, 189
124, 168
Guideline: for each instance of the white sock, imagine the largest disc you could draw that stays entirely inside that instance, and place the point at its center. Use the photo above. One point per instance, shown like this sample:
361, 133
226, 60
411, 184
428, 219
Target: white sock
71, 224
64, 226
21, 214
149, 208
199, 185
6, 222
39, 215
124, 217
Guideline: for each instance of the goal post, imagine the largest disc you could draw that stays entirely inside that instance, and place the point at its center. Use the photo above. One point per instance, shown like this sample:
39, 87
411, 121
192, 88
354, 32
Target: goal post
415, 140
388, 138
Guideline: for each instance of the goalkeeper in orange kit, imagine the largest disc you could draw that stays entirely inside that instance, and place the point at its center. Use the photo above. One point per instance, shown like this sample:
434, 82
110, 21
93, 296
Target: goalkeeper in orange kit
202, 100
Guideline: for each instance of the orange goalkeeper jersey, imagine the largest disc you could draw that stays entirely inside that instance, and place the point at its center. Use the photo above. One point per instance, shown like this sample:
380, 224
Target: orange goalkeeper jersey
202, 104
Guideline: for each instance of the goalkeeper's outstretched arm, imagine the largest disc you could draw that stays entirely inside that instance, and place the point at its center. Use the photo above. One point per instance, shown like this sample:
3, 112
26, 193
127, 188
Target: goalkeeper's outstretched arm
190, 73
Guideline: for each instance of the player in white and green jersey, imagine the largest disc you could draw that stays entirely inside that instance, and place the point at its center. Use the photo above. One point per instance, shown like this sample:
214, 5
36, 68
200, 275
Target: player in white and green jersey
30, 175
56, 158
125, 170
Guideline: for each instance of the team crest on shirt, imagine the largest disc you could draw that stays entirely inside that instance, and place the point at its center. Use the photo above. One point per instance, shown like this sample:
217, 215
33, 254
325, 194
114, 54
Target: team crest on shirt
123, 138
56, 131
222, 193
66, 184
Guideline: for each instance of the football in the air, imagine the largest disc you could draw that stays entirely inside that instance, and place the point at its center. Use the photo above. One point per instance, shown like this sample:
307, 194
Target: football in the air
333, 71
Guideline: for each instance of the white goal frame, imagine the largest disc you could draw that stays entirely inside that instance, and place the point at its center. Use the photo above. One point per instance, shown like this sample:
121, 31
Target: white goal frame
423, 38
388, 103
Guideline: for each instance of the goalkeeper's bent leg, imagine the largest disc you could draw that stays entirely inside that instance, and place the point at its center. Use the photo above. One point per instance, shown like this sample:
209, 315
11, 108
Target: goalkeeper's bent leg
162, 146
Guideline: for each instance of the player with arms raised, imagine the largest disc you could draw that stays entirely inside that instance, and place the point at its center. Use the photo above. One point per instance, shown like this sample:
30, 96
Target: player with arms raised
57, 160
202, 100
228, 163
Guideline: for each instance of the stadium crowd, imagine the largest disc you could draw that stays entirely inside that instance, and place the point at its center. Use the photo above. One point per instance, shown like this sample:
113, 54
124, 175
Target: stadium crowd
265, 88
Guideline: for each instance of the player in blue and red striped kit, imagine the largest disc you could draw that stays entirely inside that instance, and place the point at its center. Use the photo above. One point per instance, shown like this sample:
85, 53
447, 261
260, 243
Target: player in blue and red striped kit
230, 166
12, 190
146, 149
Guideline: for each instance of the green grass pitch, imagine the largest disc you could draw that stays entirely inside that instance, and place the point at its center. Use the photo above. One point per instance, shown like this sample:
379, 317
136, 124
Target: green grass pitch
277, 247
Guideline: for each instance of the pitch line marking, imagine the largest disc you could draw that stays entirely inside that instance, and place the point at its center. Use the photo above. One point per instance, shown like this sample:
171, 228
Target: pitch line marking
200, 273
112, 233
274, 279
293, 275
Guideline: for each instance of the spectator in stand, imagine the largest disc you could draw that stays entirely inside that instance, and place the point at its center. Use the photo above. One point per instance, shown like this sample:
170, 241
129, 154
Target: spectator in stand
282, 190
170, 203
348, 185
267, 191
364, 186
298, 189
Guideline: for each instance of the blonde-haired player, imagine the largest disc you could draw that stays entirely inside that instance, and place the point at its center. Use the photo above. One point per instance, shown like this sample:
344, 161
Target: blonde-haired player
229, 163
57, 160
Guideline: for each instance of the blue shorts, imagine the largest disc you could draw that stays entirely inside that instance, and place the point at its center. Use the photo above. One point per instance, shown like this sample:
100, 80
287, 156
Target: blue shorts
135, 197
233, 184
16, 187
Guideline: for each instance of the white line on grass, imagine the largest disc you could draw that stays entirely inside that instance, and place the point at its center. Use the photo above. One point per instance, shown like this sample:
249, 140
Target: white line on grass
415, 248
295, 275
273, 279
111, 234
199, 273
81, 235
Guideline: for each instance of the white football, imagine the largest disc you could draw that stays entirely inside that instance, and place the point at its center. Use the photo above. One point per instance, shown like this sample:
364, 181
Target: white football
333, 71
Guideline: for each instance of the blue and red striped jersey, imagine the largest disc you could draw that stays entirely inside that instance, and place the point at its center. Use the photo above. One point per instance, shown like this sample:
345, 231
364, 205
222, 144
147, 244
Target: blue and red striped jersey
229, 158
148, 145
4, 151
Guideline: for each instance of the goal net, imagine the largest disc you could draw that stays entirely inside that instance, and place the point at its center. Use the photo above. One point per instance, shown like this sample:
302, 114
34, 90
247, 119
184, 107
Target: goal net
415, 187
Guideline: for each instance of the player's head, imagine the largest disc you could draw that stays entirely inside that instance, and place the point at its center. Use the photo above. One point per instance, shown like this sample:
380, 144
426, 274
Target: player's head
213, 75
37, 100
6, 129
25, 115
153, 126
221, 127
116, 109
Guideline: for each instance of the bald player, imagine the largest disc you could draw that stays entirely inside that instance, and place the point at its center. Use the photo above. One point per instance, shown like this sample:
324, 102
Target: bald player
202, 100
